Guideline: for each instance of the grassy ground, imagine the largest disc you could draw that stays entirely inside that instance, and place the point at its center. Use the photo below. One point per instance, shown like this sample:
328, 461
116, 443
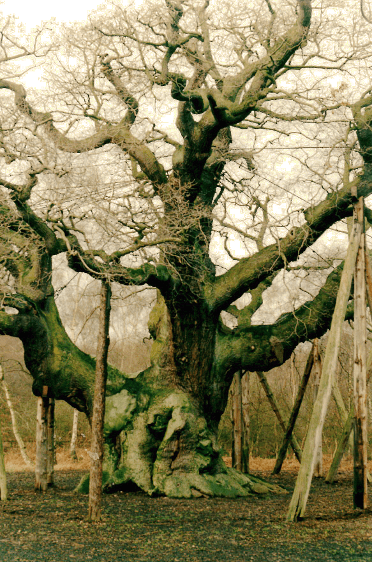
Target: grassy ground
53, 527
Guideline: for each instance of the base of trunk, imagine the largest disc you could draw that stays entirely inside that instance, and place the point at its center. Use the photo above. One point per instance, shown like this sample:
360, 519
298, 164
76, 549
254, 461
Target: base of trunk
167, 449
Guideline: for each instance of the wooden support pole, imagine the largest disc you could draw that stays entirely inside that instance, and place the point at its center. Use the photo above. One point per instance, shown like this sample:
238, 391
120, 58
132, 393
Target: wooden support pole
348, 421
3, 485
318, 468
246, 422
74, 432
50, 444
368, 278
96, 452
271, 398
41, 462
301, 492
237, 420
294, 414
360, 495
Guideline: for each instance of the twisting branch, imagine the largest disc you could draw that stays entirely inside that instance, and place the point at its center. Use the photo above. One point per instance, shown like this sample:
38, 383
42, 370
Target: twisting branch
119, 134
121, 90
363, 12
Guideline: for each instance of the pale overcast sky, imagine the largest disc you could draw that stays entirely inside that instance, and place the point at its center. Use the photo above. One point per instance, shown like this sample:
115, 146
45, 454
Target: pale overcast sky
36, 11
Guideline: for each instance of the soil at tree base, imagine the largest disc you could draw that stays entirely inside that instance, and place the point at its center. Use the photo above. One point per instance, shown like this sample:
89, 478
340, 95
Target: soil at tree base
53, 527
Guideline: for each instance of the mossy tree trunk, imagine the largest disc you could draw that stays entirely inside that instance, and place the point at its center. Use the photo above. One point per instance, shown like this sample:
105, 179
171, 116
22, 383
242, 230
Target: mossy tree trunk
167, 424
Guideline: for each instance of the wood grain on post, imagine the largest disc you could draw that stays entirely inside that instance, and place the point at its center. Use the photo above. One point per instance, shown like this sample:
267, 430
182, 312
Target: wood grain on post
96, 449
301, 492
41, 483
348, 426
360, 495
348, 419
246, 422
237, 419
74, 433
317, 370
50, 444
3, 485
368, 277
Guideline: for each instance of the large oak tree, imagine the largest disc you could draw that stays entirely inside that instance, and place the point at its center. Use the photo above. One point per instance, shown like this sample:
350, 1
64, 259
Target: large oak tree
153, 141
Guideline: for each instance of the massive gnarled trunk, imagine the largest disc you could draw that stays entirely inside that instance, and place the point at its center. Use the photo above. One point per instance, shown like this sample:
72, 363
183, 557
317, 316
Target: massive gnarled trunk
160, 424
167, 442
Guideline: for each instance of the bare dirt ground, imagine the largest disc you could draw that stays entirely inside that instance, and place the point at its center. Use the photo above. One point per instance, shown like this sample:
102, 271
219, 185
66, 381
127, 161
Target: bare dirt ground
52, 527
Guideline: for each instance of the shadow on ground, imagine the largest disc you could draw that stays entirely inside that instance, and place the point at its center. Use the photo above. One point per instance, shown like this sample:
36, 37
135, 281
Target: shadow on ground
52, 527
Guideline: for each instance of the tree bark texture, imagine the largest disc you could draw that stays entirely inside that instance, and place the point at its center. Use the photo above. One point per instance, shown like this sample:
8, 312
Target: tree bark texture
51, 441
346, 434
3, 484
360, 495
96, 451
41, 462
237, 421
74, 433
301, 492
317, 370
246, 422
368, 277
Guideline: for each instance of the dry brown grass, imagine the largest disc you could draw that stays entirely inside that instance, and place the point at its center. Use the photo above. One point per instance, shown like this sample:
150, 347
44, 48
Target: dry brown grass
292, 465
15, 463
